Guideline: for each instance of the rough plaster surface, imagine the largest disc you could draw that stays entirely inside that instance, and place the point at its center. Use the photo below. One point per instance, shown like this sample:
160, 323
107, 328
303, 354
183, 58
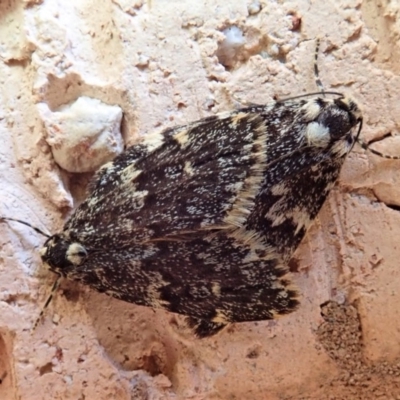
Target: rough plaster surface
165, 63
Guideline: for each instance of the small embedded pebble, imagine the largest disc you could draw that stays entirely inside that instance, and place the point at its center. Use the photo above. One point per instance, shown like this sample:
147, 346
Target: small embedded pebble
84, 134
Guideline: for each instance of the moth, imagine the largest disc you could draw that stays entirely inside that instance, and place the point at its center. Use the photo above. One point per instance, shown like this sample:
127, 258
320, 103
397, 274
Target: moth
202, 219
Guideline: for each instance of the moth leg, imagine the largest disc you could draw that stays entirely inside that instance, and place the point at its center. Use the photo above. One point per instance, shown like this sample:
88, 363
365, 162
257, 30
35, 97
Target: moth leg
203, 328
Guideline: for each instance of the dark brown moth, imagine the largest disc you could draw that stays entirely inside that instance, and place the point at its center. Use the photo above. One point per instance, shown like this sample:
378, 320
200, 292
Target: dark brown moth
202, 219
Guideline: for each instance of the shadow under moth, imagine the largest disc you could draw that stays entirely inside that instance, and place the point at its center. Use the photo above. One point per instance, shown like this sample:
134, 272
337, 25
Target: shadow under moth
202, 219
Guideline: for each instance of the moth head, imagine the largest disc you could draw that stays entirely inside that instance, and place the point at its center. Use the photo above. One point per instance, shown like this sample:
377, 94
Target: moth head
349, 113
62, 255
331, 123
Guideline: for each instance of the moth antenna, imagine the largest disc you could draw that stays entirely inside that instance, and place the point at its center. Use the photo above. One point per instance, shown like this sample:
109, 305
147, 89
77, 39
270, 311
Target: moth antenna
366, 146
55, 286
27, 224
318, 81
300, 96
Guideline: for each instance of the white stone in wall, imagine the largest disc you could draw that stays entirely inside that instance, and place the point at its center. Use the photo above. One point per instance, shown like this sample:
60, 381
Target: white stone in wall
83, 135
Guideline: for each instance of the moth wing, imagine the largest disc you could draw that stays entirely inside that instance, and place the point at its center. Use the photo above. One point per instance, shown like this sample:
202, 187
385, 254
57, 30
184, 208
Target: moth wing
176, 183
213, 281
295, 188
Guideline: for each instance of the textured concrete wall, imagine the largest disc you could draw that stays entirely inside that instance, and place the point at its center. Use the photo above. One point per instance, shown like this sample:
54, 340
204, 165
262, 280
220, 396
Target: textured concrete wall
171, 62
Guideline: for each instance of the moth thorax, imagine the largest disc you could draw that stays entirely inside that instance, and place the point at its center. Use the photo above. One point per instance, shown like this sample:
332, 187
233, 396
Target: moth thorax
331, 120
61, 255
317, 135
76, 254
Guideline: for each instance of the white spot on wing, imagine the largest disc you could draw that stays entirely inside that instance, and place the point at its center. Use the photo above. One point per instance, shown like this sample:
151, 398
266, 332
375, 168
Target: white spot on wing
129, 174
153, 141
188, 168
182, 137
